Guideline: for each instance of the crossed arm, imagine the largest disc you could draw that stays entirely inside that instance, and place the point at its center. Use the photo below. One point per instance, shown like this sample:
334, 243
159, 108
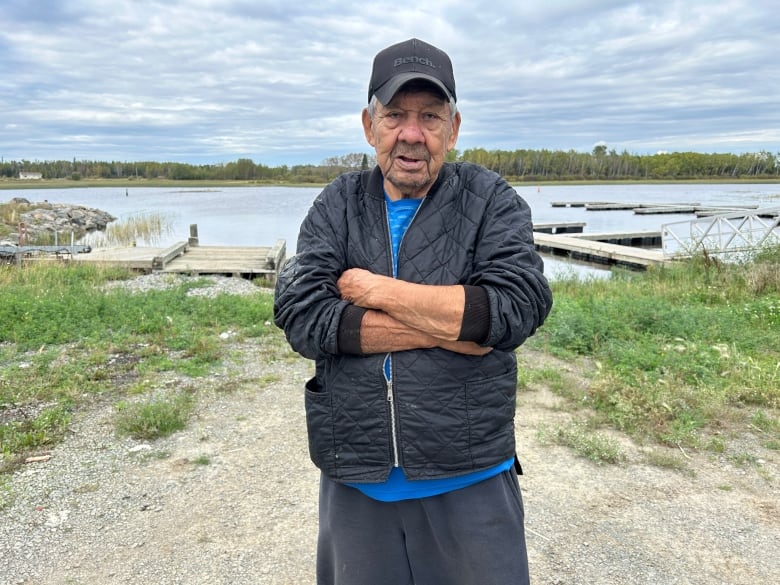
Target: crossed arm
402, 315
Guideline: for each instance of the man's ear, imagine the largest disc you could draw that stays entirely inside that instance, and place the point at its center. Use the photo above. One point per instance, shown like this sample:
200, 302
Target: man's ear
368, 127
455, 129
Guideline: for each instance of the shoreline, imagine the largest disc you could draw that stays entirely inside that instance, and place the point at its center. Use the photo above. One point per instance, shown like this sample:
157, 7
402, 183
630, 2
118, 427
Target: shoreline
25, 184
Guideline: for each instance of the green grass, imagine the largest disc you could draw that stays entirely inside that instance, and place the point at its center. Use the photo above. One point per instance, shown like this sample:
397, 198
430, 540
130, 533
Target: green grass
202, 460
587, 443
156, 417
682, 351
6, 492
687, 356
65, 339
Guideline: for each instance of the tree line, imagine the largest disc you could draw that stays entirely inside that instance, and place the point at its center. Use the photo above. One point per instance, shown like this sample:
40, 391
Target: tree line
517, 166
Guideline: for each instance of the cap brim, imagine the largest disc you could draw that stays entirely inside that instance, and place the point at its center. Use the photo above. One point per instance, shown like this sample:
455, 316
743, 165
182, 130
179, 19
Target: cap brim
386, 93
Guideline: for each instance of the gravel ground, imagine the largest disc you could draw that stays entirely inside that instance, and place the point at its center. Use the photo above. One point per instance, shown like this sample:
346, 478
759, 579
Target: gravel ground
232, 499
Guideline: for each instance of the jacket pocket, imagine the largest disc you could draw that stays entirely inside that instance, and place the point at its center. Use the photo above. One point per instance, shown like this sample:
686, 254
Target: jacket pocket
319, 424
491, 413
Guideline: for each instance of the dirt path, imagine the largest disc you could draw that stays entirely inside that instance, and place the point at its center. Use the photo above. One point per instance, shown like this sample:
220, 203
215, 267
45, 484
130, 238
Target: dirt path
233, 500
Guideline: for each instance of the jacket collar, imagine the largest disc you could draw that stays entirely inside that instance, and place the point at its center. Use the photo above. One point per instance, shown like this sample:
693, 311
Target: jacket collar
374, 182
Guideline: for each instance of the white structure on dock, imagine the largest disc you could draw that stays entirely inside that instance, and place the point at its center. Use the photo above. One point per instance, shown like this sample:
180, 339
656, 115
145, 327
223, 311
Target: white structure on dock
735, 233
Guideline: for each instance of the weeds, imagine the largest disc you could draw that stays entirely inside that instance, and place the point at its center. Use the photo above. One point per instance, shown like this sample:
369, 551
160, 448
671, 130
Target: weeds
66, 338
158, 417
10, 216
662, 458
597, 447
26, 434
681, 349
6, 492
681, 352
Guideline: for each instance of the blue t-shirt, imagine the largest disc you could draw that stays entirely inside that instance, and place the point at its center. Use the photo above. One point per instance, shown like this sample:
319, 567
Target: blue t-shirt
397, 487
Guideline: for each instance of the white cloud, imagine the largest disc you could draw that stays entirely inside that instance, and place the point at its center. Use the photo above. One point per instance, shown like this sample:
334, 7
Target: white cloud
214, 80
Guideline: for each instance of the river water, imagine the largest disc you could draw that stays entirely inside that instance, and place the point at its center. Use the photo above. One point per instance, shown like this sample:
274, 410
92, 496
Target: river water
258, 216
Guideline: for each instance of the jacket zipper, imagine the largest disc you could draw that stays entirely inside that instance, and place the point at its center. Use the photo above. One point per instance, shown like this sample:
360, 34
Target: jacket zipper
389, 357
387, 365
391, 401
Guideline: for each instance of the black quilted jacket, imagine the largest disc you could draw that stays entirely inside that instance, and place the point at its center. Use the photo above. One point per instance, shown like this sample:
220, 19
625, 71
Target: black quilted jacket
443, 414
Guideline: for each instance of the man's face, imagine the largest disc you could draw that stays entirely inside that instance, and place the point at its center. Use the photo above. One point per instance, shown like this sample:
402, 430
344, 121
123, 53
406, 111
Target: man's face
411, 136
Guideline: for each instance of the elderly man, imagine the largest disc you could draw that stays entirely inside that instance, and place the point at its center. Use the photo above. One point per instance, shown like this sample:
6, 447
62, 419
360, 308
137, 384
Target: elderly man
412, 286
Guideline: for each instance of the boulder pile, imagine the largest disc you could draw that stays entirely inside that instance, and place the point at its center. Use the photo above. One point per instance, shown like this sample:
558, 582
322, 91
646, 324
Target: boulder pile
45, 219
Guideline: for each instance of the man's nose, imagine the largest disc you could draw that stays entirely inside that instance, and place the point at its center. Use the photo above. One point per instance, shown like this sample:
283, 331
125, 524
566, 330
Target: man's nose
411, 132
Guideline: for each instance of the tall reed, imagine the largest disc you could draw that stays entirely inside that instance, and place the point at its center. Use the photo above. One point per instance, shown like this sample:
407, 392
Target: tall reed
142, 229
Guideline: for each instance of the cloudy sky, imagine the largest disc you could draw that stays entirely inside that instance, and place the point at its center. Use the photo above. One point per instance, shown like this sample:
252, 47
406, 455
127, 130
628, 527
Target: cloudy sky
206, 81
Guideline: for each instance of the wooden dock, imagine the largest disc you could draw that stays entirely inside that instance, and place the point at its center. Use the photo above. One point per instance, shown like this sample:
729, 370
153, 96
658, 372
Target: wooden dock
579, 248
655, 208
558, 238
265, 262
641, 238
566, 227
185, 258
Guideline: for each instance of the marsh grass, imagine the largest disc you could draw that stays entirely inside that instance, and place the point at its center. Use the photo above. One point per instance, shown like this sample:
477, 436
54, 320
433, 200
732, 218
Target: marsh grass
684, 351
142, 229
10, 212
10, 215
66, 339
146, 229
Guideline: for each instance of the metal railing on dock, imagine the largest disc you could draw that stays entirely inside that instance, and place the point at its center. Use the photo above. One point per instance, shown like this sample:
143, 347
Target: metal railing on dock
728, 233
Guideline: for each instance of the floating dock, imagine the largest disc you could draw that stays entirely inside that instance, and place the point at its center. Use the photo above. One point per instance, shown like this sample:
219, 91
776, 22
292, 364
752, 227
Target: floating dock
655, 208
184, 258
580, 248
641, 239
265, 262
568, 227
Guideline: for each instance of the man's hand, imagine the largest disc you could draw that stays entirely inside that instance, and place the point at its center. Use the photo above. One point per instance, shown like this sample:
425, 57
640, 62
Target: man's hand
356, 286
380, 333
464, 347
434, 310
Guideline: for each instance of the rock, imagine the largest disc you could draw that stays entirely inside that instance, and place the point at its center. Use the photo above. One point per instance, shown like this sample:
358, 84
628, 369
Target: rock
48, 218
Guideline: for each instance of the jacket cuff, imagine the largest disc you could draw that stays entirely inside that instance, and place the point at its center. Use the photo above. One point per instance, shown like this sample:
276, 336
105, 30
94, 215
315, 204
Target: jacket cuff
476, 315
349, 330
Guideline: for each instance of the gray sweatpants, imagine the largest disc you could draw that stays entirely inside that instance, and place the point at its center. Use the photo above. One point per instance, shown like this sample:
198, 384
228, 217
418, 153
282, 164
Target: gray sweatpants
472, 536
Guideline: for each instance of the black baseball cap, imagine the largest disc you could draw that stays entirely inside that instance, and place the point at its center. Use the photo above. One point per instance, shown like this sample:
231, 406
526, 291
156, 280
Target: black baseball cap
406, 61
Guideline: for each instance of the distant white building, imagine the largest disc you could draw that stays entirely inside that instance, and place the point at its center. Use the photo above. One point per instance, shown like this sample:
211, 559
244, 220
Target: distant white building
30, 175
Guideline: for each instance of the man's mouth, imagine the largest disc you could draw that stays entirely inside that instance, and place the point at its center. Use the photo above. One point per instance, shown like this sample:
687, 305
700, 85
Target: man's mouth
411, 161
408, 163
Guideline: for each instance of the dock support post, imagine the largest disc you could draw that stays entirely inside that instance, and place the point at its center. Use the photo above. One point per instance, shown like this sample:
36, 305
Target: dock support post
193, 241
